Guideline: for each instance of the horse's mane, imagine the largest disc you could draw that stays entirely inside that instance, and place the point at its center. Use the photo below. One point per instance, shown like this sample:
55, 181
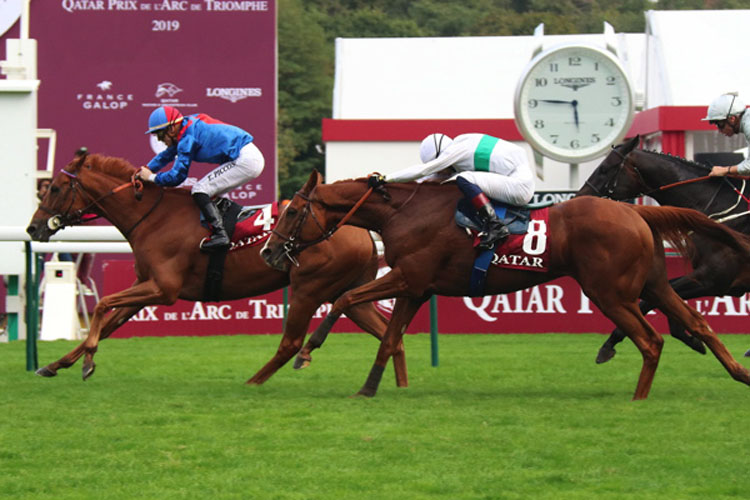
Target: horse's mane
111, 165
680, 160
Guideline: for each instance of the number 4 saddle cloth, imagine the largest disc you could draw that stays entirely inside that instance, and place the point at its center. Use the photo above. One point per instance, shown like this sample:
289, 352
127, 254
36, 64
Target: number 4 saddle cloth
247, 226
526, 249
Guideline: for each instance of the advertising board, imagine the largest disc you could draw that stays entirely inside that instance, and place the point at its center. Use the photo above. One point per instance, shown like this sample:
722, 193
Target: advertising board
555, 307
104, 65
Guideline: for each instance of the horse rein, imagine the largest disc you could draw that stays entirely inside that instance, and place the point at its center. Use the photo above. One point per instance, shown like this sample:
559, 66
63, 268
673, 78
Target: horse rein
293, 247
60, 221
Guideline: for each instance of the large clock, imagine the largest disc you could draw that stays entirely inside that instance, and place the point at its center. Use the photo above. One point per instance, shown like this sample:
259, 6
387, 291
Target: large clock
572, 102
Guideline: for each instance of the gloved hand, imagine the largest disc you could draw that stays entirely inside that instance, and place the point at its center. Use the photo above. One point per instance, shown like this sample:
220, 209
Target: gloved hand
144, 173
375, 180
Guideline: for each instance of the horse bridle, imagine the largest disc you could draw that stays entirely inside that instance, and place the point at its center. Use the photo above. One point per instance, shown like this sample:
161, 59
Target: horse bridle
67, 218
611, 185
292, 246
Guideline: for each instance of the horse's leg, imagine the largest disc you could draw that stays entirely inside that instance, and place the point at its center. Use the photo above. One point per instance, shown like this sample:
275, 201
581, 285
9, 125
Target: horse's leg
112, 322
367, 317
607, 350
672, 305
139, 295
387, 286
687, 287
629, 319
301, 310
403, 313
116, 319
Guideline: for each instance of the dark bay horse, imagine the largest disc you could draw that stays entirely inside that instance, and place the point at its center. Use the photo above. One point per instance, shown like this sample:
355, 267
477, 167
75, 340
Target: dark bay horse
718, 270
163, 230
614, 250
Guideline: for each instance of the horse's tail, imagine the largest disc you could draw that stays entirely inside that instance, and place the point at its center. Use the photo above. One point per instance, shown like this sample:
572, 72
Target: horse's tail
674, 224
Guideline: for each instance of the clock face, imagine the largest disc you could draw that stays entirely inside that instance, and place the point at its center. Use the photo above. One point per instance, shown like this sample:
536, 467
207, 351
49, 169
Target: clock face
573, 102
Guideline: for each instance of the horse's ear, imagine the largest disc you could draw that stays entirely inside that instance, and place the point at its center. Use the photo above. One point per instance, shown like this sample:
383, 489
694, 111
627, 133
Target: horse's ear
82, 152
315, 179
631, 144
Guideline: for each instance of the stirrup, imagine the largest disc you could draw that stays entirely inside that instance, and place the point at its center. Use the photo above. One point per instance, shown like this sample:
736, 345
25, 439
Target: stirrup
210, 244
488, 244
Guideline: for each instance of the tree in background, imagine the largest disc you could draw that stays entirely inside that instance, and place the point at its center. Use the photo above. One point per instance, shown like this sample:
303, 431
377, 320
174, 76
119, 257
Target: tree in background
305, 93
307, 30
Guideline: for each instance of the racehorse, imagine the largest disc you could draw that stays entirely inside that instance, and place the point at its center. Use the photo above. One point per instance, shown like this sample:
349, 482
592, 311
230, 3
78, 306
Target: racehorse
163, 229
718, 270
613, 250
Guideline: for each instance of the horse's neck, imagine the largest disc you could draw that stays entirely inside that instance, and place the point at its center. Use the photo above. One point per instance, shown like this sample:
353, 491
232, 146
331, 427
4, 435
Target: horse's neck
663, 173
120, 208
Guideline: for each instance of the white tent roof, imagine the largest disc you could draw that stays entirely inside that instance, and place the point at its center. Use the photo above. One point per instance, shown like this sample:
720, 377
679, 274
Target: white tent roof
696, 55
686, 58
422, 78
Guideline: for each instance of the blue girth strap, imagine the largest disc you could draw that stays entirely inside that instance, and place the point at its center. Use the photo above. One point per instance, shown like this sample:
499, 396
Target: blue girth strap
482, 264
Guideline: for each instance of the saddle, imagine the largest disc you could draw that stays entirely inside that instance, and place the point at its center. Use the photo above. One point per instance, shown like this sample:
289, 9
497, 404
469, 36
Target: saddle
245, 226
515, 217
510, 253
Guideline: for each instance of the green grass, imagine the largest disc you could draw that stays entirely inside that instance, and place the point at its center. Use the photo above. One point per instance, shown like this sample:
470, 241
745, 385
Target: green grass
504, 416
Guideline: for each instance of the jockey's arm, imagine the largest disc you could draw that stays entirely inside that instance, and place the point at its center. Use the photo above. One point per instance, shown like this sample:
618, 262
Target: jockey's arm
446, 159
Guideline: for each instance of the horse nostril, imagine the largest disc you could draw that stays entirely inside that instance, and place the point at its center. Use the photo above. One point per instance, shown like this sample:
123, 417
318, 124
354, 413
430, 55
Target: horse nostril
31, 229
265, 253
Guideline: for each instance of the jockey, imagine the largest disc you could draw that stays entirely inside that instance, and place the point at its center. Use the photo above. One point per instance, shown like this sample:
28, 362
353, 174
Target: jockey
201, 138
487, 166
727, 113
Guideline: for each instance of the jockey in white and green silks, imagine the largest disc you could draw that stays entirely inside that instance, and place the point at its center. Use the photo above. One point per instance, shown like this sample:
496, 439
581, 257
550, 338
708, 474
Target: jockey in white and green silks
487, 166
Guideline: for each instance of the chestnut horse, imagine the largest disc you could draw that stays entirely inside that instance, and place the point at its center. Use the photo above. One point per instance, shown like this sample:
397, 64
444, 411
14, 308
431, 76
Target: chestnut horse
613, 250
163, 229
718, 270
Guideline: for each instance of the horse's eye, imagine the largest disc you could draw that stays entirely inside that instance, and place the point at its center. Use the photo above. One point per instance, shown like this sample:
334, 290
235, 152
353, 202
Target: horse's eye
291, 211
54, 189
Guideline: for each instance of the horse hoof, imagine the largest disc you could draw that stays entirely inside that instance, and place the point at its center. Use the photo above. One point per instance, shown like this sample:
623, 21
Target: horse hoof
88, 370
364, 393
258, 379
605, 354
747, 353
300, 362
696, 345
45, 372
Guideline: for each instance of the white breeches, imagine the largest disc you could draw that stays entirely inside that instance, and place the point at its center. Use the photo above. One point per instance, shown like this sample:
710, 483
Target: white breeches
227, 176
516, 189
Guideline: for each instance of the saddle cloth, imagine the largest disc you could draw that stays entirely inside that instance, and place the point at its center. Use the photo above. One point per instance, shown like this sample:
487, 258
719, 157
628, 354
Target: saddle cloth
525, 249
247, 226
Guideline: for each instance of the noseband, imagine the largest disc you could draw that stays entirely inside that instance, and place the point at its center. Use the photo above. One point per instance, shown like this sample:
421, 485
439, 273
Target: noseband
67, 218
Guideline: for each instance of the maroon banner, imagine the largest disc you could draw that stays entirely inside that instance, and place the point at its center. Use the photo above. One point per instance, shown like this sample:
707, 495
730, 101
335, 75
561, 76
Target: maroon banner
555, 307
104, 65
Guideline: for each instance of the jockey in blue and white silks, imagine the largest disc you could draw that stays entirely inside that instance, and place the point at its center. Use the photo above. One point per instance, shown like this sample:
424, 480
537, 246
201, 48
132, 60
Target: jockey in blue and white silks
207, 140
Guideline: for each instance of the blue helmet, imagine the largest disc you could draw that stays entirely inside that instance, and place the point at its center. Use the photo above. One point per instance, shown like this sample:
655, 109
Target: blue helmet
163, 117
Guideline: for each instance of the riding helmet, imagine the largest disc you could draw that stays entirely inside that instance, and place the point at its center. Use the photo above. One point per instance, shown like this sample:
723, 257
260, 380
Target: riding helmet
724, 106
163, 117
432, 146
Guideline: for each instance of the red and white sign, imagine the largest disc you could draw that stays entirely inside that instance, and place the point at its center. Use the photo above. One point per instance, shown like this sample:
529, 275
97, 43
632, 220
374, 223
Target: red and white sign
555, 307
104, 65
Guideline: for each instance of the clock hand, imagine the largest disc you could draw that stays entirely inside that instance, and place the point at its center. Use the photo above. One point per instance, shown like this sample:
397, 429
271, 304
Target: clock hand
557, 101
575, 112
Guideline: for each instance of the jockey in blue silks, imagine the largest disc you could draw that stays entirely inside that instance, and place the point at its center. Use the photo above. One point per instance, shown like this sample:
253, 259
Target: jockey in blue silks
203, 139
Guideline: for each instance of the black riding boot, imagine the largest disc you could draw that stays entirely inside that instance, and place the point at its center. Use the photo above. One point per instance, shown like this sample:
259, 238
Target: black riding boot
493, 229
219, 239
